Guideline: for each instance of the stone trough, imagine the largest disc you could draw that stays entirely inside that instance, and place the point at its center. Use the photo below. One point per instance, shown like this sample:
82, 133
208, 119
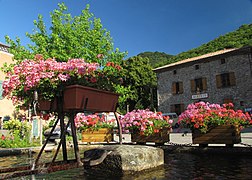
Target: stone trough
118, 160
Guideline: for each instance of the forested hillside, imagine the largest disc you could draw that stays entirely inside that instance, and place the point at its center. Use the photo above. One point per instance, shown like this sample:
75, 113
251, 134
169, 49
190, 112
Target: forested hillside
236, 39
155, 57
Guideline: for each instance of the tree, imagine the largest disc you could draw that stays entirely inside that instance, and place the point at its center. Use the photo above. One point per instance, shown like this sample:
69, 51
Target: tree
68, 37
142, 79
155, 57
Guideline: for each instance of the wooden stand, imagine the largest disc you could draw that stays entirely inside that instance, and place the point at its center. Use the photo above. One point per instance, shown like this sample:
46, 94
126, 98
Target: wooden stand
82, 100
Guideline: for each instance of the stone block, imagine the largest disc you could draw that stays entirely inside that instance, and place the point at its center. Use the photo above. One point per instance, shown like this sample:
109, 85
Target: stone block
118, 160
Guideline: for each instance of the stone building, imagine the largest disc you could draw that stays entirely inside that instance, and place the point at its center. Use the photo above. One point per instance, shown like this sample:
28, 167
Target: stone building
219, 77
6, 106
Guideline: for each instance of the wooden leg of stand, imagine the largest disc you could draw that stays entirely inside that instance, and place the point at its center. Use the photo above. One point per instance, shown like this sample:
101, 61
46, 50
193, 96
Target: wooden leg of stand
75, 140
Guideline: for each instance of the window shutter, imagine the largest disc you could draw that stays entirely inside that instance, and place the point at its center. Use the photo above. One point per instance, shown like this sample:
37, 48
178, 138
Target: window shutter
204, 84
181, 90
182, 107
172, 107
193, 89
218, 81
1, 90
174, 88
232, 78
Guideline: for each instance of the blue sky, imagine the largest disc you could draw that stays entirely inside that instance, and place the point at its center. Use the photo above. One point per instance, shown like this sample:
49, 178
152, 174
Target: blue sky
170, 26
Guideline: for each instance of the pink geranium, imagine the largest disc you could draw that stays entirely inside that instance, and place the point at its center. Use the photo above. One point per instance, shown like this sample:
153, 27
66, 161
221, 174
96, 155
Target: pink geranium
203, 115
48, 77
144, 121
93, 122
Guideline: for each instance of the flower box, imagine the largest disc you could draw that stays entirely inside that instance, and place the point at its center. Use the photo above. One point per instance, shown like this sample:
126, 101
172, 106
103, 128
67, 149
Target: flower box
160, 137
223, 134
80, 98
100, 135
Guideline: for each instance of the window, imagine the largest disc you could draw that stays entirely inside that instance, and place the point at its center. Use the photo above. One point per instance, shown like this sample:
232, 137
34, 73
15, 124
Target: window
3, 48
198, 85
177, 108
223, 61
174, 71
177, 87
196, 67
225, 80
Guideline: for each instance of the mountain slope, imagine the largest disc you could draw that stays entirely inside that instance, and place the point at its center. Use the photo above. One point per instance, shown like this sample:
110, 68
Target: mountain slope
236, 39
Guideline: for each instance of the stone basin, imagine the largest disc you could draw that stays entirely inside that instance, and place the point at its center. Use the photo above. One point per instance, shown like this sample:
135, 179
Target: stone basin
122, 159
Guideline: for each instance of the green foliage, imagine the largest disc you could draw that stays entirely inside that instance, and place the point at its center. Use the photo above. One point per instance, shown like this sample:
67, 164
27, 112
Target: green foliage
17, 127
155, 57
69, 37
236, 39
141, 79
19, 135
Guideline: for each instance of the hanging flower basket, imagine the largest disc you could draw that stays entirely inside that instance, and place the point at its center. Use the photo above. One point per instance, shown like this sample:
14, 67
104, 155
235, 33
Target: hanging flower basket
223, 134
80, 98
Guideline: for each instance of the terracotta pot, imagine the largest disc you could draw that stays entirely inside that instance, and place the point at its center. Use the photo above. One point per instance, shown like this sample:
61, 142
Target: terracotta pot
223, 134
100, 135
80, 98
160, 137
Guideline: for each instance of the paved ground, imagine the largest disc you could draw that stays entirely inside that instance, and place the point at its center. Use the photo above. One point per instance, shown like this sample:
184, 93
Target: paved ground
177, 137
184, 136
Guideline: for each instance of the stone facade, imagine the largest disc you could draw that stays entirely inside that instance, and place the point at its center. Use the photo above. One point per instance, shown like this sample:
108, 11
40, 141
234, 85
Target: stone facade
219, 77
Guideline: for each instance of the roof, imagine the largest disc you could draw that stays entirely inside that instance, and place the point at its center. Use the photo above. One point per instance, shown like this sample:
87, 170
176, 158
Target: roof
195, 58
1, 44
4, 47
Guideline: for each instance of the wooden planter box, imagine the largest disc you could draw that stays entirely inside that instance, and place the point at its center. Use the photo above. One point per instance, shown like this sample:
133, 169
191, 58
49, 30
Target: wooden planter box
161, 137
100, 135
223, 134
80, 98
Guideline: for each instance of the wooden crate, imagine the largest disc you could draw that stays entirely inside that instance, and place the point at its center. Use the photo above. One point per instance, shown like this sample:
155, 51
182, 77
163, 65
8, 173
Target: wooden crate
159, 138
100, 135
223, 134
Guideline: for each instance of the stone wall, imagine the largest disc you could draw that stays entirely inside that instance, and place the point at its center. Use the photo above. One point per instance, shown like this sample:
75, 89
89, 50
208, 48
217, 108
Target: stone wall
239, 62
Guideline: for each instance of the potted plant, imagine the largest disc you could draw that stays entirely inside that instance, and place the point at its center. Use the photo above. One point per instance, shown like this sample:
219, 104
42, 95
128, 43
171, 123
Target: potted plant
94, 128
146, 126
51, 79
214, 123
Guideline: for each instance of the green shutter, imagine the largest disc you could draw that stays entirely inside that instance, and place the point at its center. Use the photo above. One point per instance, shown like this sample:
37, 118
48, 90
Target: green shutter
1, 89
